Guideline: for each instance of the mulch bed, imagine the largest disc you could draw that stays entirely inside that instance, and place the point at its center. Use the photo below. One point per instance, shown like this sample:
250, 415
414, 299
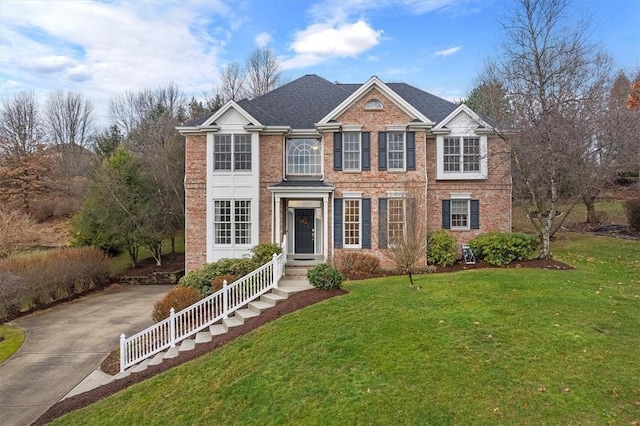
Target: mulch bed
293, 303
170, 263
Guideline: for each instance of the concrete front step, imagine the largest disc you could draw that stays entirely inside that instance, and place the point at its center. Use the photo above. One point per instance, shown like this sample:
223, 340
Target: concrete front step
203, 337
259, 306
272, 298
227, 323
157, 359
295, 272
187, 345
245, 314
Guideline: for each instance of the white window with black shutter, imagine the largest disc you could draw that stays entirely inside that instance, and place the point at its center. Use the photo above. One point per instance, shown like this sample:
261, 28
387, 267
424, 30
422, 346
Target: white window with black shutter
351, 151
352, 221
396, 150
460, 212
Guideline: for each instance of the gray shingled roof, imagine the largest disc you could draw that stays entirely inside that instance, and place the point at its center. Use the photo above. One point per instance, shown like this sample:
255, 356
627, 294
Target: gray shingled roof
306, 100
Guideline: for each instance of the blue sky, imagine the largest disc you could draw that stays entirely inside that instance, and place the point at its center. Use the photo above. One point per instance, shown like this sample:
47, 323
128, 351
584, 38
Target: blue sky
101, 48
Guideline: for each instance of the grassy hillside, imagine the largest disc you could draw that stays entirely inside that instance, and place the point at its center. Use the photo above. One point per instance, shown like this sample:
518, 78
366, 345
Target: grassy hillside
510, 346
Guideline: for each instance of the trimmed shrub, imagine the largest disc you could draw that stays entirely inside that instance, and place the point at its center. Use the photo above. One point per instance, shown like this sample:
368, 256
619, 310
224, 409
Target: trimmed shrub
218, 282
357, 264
632, 210
325, 277
41, 278
441, 248
263, 252
178, 299
498, 248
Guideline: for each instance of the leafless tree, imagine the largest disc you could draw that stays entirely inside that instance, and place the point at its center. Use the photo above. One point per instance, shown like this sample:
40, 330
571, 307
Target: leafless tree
557, 84
69, 119
406, 246
263, 72
233, 82
21, 131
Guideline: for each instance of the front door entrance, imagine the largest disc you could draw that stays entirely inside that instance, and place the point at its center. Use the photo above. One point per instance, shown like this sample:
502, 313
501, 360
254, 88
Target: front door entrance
304, 219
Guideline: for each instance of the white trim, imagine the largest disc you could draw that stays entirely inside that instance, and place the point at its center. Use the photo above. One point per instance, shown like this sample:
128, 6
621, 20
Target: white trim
344, 165
460, 228
351, 128
351, 194
226, 107
460, 196
344, 223
396, 194
374, 81
462, 109
483, 173
396, 128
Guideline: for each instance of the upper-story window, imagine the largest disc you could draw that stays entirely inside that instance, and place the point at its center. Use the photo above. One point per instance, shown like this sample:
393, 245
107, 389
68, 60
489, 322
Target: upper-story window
462, 157
351, 151
232, 153
395, 151
304, 157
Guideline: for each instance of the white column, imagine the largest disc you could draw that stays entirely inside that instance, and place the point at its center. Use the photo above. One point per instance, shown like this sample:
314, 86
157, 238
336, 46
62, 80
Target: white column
277, 219
325, 226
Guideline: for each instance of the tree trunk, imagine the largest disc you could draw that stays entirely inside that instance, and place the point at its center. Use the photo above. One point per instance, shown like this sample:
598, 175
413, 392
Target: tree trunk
589, 202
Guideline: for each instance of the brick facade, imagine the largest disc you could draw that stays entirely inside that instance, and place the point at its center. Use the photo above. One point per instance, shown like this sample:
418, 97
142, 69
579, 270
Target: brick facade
493, 193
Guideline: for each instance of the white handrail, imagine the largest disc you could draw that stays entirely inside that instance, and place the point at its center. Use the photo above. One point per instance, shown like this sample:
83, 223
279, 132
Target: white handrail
189, 321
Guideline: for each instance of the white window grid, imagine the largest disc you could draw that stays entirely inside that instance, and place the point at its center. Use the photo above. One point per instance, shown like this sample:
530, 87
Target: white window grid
460, 214
222, 152
242, 152
471, 154
352, 223
395, 220
222, 222
351, 151
304, 157
232, 222
451, 154
395, 151
242, 222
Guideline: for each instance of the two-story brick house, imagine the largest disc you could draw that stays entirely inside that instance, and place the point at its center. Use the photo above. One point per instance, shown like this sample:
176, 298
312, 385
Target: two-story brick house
329, 165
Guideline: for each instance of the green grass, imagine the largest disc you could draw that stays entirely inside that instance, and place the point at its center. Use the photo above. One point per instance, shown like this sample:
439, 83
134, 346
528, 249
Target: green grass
493, 346
121, 261
13, 339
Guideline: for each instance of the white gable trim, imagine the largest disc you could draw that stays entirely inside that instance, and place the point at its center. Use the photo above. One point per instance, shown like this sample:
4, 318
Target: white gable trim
226, 107
385, 90
461, 109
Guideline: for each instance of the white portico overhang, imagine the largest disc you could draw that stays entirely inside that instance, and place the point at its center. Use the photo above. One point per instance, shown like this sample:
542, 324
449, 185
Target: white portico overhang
300, 190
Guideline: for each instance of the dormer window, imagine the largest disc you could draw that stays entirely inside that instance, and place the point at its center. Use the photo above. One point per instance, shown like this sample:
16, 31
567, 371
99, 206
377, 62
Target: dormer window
373, 104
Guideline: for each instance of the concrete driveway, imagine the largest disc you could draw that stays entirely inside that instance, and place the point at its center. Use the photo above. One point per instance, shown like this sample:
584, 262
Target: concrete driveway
66, 343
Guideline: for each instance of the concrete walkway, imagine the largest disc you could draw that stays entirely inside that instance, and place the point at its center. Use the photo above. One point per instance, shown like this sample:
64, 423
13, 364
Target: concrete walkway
66, 343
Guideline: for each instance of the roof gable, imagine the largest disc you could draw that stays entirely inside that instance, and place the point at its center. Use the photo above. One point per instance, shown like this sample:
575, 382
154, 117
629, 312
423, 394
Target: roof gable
461, 117
374, 81
231, 111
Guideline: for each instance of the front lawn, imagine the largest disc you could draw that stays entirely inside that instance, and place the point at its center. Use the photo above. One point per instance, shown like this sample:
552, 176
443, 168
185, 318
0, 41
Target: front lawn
492, 346
11, 338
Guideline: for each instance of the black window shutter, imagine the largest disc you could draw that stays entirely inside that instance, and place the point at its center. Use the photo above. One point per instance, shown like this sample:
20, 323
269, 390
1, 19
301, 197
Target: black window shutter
382, 223
337, 222
366, 223
411, 150
366, 151
337, 151
382, 150
475, 214
446, 214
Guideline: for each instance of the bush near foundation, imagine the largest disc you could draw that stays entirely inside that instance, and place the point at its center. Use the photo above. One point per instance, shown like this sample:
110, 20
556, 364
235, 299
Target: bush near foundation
325, 277
500, 248
441, 248
39, 279
356, 264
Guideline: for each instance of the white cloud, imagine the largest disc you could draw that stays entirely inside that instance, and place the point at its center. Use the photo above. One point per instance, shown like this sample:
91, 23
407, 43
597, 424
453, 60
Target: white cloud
101, 48
320, 42
263, 39
341, 10
448, 52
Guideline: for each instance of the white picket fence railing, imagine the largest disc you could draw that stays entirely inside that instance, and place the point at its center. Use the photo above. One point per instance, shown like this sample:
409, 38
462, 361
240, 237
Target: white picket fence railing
189, 321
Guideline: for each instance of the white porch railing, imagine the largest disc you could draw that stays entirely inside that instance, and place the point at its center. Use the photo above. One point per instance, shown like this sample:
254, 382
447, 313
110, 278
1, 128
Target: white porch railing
187, 322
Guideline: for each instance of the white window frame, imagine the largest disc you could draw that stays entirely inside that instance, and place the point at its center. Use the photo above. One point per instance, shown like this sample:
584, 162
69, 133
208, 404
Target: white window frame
234, 237
358, 153
232, 153
461, 174
403, 222
358, 203
318, 155
403, 150
457, 198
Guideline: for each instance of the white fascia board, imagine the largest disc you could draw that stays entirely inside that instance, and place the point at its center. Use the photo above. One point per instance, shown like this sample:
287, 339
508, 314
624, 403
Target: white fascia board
184, 131
226, 107
276, 130
328, 127
462, 109
390, 94
311, 133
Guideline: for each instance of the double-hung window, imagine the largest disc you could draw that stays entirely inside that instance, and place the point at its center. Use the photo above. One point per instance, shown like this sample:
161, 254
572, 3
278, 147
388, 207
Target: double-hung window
232, 153
459, 214
396, 220
232, 222
352, 223
395, 151
351, 151
462, 157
